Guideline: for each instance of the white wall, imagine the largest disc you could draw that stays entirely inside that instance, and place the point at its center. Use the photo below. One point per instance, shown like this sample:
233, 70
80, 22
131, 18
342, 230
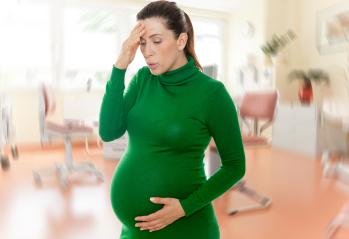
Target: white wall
309, 56
301, 17
239, 45
276, 17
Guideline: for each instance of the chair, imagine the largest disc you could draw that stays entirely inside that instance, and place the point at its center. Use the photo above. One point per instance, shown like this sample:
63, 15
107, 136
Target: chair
66, 130
335, 124
341, 220
255, 106
7, 132
335, 160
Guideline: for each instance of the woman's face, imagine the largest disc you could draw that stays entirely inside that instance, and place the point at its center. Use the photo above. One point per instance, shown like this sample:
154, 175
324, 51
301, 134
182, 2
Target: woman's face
160, 48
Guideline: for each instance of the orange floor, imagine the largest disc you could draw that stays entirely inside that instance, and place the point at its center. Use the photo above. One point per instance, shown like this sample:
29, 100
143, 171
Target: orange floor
303, 201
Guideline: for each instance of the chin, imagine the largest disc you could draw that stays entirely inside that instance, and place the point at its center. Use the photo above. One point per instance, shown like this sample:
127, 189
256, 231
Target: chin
157, 71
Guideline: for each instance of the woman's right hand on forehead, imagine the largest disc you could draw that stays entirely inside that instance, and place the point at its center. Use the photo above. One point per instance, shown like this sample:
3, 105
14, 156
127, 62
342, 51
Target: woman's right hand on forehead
130, 46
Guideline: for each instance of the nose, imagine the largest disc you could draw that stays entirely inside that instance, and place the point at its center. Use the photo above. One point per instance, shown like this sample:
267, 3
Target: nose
147, 50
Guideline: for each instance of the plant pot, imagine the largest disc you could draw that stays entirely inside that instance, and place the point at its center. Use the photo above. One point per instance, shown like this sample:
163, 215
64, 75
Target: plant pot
305, 94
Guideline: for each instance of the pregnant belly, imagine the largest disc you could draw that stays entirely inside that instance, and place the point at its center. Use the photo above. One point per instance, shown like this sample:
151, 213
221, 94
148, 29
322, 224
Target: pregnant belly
136, 179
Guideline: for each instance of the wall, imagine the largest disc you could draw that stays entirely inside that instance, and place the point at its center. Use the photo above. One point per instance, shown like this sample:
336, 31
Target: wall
301, 16
276, 17
267, 17
239, 45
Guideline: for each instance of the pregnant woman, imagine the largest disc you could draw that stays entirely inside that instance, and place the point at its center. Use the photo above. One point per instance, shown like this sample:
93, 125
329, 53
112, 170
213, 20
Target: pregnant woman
170, 110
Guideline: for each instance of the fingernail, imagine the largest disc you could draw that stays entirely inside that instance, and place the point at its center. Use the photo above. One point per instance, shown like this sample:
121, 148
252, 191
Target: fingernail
152, 199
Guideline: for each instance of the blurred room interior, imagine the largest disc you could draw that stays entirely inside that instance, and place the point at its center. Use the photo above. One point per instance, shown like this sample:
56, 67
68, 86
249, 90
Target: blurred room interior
253, 46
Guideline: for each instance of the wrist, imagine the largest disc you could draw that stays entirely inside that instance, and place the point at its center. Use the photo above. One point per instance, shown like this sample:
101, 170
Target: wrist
182, 211
121, 65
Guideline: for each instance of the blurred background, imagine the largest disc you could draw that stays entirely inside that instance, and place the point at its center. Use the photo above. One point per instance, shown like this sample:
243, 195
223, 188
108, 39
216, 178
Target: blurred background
296, 48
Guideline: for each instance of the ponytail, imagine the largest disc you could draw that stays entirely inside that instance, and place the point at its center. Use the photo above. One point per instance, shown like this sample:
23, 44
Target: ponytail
190, 48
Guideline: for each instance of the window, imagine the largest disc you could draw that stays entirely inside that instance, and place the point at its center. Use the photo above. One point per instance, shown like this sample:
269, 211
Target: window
25, 57
47, 41
209, 43
90, 38
73, 44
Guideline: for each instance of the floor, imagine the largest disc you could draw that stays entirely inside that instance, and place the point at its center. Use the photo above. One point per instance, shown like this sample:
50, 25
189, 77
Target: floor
303, 200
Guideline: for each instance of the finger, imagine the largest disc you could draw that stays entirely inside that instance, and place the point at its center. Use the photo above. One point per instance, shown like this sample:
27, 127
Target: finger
147, 225
160, 200
154, 216
142, 32
136, 37
139, 33
158, 228
140, 26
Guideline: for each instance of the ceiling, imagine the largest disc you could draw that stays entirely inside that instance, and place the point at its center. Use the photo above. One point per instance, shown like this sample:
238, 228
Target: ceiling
216, 5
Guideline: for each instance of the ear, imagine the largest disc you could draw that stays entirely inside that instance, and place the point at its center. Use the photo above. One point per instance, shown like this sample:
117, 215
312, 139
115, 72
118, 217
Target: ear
182, 41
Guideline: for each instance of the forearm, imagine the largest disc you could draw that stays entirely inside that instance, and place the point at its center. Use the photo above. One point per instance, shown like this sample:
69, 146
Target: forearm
227, 176
112, 123
222, 123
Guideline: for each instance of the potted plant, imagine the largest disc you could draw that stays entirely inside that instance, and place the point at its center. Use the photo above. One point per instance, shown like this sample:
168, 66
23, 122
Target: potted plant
305, 93
272, 47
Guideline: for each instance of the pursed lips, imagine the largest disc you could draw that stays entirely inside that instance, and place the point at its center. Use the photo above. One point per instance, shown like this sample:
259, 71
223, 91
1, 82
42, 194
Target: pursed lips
152, 65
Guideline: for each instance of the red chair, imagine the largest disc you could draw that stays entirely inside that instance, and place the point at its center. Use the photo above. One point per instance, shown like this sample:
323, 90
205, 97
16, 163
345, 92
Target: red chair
65, 130
254, 108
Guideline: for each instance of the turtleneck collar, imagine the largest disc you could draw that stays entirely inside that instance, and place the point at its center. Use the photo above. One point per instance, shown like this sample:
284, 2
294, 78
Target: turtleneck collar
180, 75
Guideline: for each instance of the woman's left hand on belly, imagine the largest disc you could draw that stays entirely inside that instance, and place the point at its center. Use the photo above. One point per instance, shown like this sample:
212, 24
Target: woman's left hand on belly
171, 212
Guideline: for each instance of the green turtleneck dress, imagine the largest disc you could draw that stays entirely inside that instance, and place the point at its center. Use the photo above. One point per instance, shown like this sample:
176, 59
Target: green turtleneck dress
170, 119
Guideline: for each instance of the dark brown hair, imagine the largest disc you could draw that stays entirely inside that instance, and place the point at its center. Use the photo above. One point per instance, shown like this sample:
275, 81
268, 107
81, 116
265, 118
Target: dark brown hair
176, 20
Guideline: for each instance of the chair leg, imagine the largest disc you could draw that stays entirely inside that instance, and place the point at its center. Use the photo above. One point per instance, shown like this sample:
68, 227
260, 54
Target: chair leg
4, 161
68, 151
87, 147
69, 167
84, 167
342, 219
38, 174
262, 201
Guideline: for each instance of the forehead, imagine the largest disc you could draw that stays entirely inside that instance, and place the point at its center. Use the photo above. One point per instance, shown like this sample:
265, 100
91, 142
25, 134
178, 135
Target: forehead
155, 25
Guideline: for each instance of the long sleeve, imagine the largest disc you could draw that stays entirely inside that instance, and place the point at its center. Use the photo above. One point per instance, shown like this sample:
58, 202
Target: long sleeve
116, 104
222, 123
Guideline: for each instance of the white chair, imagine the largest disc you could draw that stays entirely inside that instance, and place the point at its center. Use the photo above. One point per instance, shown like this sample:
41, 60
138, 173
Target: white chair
7, 132
335, 122
335, 160
66, 131
341, 220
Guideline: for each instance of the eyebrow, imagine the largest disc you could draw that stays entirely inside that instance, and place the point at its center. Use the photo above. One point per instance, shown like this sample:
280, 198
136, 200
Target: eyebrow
153, 35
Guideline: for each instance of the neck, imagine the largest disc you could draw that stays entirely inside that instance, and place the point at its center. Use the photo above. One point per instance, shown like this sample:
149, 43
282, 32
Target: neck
181, 75
180, 61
